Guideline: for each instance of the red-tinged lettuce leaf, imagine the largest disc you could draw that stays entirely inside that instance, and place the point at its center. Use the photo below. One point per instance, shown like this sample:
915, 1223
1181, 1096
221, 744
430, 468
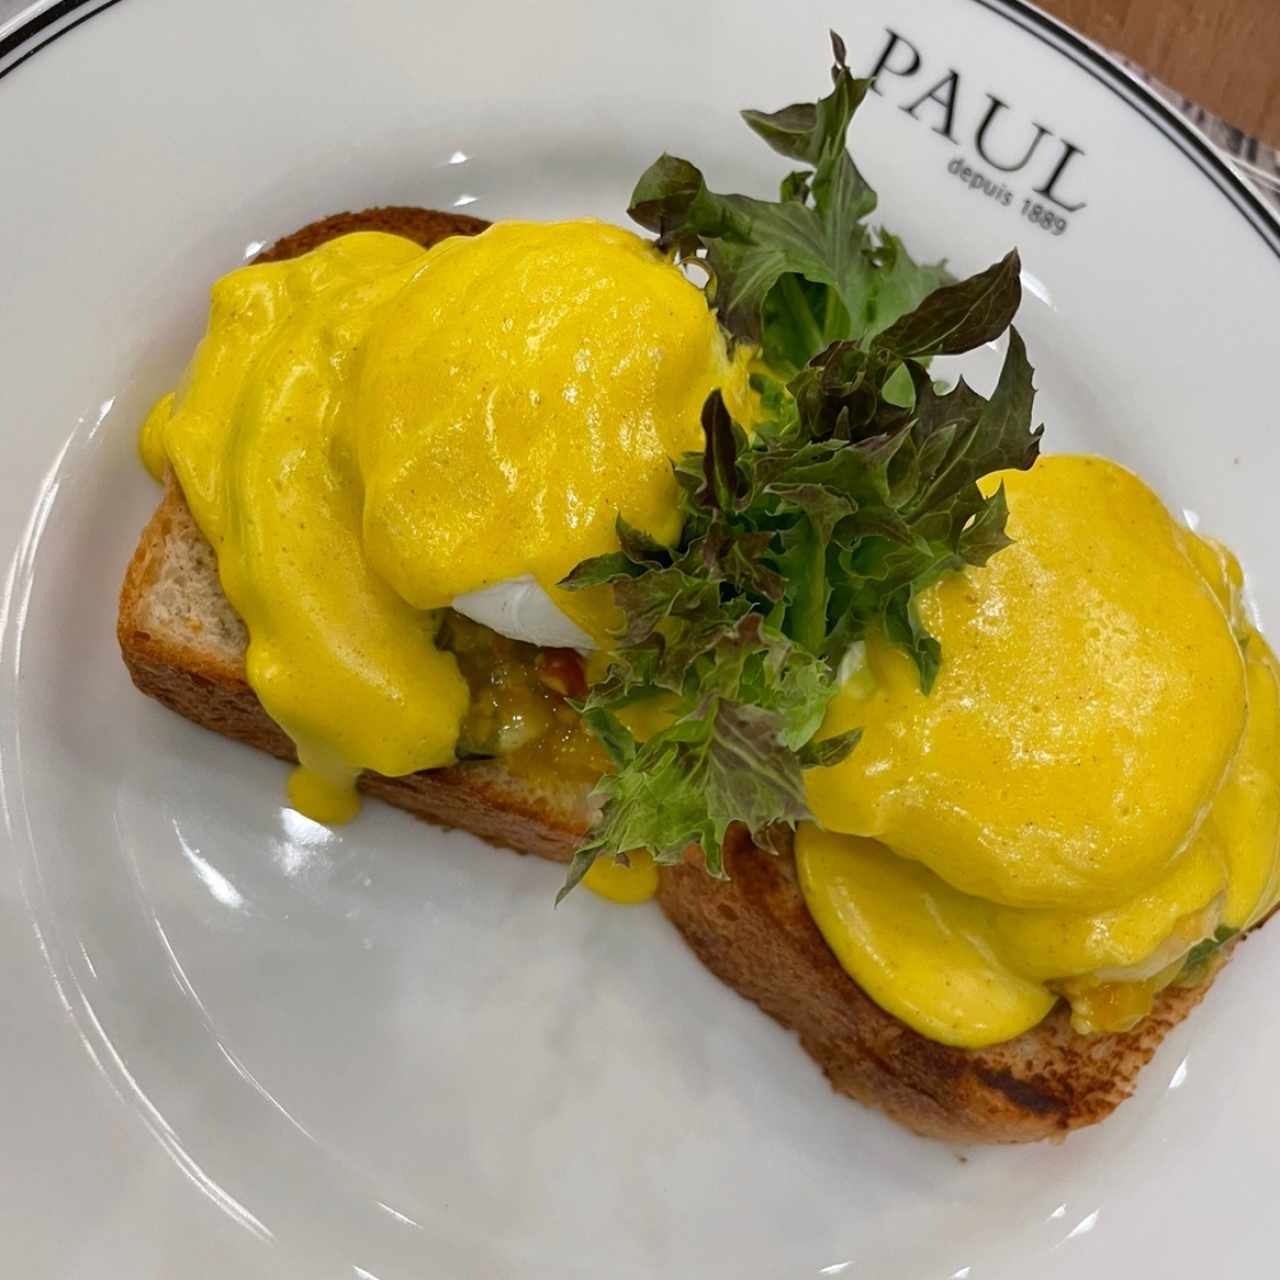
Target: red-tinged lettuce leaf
959, 317
856, 493
796, 542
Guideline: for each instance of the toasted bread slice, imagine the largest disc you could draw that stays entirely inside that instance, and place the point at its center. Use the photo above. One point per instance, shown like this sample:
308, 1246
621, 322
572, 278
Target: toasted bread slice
184, 645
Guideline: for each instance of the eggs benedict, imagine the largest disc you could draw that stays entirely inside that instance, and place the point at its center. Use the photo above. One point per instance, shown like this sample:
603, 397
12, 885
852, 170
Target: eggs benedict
971, 753
1065, 812
371, 433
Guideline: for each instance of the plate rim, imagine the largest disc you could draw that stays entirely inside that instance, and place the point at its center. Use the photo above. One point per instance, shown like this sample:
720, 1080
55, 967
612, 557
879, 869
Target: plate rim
41, 23
72, 13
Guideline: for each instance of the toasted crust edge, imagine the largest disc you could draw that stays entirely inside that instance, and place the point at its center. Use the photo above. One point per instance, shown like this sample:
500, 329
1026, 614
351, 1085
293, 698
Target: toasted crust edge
214, 693
1042, 1084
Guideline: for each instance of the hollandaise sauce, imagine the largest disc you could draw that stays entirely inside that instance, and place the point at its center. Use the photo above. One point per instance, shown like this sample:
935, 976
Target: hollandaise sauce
370, 430
1091, 788
630, 882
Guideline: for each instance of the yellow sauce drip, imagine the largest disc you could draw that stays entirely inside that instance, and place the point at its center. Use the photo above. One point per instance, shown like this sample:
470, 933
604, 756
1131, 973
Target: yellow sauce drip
1091, 789
623, 884
369, 430
332, 801
1246, 813
914, 945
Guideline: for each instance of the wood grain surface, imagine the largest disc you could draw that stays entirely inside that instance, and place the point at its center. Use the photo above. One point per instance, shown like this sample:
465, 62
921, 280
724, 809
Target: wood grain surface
1223, 54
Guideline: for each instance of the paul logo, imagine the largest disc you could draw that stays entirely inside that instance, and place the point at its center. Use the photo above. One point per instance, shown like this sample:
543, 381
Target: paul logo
1005, 144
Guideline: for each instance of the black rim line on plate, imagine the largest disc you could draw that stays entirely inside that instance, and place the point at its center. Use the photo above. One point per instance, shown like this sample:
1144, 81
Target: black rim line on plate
1032, 21
1143, 100
39, 22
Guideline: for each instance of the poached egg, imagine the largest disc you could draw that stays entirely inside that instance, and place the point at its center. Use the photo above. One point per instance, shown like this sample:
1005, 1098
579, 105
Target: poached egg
1091, 787
371, 433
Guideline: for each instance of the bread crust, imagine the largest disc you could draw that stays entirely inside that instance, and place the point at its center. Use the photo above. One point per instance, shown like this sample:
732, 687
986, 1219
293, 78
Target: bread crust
176, 667
753, 931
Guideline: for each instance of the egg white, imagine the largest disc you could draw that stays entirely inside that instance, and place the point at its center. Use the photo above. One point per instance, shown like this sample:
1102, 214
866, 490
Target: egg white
521, 610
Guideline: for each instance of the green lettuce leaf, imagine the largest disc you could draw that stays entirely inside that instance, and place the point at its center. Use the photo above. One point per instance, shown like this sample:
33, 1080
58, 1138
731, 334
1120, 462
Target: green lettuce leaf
1204, 956
825, 523
806, 270
856, 492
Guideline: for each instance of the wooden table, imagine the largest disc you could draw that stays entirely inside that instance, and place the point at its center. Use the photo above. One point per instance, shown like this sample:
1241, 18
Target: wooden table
1224, 54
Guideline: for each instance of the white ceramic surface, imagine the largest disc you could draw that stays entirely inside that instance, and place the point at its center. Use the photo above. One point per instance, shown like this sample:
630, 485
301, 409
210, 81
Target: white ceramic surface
235, 1043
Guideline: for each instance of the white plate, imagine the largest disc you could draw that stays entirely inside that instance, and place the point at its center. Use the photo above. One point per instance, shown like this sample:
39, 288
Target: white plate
237, 1044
